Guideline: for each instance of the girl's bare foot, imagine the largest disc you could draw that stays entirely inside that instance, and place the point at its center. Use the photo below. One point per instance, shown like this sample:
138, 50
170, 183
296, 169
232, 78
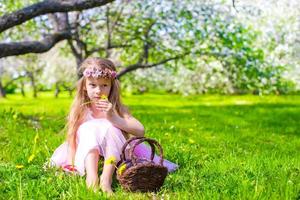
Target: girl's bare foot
105, 186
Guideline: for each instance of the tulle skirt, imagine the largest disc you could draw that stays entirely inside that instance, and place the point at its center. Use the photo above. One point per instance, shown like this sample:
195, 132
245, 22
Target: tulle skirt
101, 135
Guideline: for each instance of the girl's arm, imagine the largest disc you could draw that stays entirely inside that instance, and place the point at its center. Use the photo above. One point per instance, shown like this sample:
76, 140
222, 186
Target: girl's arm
128, 124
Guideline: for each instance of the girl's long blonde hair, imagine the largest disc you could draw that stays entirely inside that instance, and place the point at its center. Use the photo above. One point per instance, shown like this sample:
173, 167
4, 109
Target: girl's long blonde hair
78, 111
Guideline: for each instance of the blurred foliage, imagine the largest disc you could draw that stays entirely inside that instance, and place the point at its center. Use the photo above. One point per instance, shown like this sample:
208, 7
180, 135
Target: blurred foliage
228, 55
250, 51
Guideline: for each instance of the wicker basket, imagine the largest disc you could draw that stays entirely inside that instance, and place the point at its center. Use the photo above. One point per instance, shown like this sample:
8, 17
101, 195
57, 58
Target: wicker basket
141, 174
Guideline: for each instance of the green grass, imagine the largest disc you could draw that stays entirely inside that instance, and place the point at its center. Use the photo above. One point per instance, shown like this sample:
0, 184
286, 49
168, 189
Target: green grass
228, 147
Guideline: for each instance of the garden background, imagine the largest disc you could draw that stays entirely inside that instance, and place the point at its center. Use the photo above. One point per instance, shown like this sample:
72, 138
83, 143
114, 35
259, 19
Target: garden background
215, 82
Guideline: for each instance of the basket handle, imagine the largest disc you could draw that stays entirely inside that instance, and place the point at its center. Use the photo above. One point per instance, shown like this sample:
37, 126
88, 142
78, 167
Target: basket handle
126, 144
152, 143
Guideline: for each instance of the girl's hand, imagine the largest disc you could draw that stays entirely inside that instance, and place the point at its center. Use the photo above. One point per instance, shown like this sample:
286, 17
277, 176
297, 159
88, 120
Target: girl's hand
104, 106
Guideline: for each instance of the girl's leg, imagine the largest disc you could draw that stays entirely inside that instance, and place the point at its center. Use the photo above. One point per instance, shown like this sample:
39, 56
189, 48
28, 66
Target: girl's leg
91, 163
111, 147
106, 178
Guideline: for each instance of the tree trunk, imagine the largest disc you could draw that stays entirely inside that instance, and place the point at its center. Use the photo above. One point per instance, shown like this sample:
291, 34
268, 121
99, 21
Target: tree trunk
70, 92
2, 91
69, 89
22, 89
57, 90
33, 85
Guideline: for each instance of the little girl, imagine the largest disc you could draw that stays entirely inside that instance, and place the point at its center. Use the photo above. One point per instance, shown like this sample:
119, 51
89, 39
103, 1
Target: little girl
98, 125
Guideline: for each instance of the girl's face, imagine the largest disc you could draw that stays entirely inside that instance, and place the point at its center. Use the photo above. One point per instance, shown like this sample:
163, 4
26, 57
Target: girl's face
96, 87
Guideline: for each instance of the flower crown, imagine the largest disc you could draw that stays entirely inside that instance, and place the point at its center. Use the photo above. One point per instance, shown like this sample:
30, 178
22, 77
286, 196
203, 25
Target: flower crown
96, 73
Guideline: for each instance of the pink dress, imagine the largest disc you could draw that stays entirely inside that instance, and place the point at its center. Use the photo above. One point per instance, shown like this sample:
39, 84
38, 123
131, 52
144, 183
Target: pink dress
100, 134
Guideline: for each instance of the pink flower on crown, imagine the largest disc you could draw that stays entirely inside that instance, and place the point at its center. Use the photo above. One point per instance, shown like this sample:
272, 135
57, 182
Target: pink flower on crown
113, 74
95, 73
87, 73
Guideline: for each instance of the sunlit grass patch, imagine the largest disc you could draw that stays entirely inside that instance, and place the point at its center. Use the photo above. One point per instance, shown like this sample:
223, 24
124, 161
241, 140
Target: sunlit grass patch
228, 147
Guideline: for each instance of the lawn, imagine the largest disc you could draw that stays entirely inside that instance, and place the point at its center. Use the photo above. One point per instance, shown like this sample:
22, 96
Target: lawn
228, 147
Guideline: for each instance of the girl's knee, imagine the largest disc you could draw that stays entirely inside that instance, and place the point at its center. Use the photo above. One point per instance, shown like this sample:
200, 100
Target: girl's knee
94, 127
93, 152
115, 131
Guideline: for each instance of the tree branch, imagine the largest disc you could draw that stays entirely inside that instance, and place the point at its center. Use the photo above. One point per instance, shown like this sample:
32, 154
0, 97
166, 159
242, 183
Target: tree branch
12, 19
13, 80
19, 48
113, 46
75, 52
90, 52
59, 21
117, 18
54, 21
145, 54
139, 65
233, 5
108, 40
